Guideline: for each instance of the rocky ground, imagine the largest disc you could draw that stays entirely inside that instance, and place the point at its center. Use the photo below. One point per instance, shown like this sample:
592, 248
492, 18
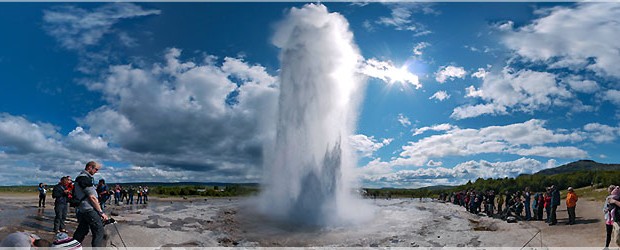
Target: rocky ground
232, 222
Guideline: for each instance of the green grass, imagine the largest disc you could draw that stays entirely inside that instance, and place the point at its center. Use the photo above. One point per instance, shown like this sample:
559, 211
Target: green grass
589, 193
19, 189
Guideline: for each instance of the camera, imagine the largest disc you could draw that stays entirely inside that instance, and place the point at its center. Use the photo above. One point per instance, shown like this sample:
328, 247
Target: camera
109, 221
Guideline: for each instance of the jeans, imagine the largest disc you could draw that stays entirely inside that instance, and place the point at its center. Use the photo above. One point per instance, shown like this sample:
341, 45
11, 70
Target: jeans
42, 200
61, 216
90, 220
528, 214
554, 218
571, 215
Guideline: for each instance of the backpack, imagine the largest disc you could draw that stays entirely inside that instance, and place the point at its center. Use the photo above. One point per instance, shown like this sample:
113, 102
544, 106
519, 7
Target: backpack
82, 182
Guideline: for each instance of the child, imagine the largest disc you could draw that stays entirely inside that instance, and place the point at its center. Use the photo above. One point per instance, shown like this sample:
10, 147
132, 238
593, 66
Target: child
62, 240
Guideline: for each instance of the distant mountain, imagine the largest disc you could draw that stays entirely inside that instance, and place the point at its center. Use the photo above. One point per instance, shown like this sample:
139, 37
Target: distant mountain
581, 165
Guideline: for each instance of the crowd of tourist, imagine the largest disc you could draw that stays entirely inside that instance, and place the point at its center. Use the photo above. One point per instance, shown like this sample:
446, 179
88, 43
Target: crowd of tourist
520, 205
89, 200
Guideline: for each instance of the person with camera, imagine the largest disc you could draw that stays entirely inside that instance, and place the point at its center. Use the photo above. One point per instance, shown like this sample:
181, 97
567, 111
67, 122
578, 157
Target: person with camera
89, 214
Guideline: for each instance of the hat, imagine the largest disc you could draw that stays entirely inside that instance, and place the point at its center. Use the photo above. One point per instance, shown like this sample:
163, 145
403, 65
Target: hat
61, 236
570, 188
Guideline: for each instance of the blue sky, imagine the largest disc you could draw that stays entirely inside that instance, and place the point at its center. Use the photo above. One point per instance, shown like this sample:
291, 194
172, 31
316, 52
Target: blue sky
181, 91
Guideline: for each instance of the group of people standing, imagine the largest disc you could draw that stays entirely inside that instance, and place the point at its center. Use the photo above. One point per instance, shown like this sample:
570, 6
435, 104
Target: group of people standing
522, 204
90, 202
125, 195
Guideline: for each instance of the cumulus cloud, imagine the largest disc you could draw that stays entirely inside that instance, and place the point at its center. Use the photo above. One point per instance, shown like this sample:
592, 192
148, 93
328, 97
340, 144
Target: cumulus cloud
387, 72
530, 138
432, 163
194, 116
579, 84
612, 96
33, 152
459, 174
574, 37
601, 133
449, 73
440, 95
481, 73
404, 120
471, 91
522, 90
366, 146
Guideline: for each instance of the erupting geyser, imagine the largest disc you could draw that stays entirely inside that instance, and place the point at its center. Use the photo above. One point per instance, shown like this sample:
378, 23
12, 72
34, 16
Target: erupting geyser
309, 168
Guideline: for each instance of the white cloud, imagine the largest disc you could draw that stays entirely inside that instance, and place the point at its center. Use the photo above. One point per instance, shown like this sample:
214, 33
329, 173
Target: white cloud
184, 115
527, 139
473, 92
401, 17
35, 152
432, 163
470, 111
366, 146
417, 50
84, 31
457, 175
449, 73
404, 120
505, 26
440, 95
77, 28
601, 133
387, 72
559, 152
612, 96
20, 136
481, 73
439, 127
574, 37
522, 90
580, 85
80, 140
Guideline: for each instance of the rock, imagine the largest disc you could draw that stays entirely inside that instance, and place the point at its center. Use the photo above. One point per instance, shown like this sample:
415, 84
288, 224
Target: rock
114, 213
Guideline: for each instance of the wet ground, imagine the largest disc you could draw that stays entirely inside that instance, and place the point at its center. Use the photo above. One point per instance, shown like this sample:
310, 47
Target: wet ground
234, 222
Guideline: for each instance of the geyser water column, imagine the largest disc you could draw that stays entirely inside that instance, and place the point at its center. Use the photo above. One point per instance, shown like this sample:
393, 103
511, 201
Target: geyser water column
309, 168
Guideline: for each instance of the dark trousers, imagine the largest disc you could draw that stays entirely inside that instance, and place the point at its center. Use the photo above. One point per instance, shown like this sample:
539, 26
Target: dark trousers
528, 214
540, 212
42, 200
554, 218
609, 229
90, 220
61, 216
571, 215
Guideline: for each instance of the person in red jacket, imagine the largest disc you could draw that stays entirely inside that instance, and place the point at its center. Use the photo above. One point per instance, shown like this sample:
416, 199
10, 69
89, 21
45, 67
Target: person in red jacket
69, 186
547, 205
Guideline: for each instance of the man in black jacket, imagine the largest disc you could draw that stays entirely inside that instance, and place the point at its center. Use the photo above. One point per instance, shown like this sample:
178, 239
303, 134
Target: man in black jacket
61, 196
